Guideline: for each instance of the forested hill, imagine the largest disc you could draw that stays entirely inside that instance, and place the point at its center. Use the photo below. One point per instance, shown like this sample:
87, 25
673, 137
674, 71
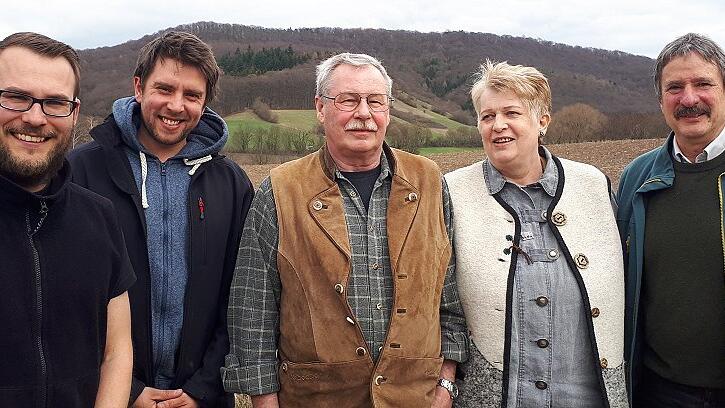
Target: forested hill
432, 68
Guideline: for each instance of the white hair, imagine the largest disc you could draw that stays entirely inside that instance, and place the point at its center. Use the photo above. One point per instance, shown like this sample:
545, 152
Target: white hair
326, 67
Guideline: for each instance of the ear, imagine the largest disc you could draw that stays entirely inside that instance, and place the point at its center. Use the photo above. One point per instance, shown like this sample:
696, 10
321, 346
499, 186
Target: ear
76, 112
319, 106
544, 121
137, 89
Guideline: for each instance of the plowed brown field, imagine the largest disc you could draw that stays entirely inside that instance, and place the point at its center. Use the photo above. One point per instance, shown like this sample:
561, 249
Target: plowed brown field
608, 156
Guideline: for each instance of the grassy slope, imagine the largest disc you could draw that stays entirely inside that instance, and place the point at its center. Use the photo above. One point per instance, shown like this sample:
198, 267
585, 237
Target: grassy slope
307, 120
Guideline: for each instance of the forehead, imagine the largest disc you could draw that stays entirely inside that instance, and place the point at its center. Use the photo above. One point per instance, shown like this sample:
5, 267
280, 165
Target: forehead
41, 76
688, 67
362, 79
174, 72
493, 99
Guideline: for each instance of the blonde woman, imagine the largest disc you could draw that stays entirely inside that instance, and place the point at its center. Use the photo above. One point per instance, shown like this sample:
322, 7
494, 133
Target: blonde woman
539, 259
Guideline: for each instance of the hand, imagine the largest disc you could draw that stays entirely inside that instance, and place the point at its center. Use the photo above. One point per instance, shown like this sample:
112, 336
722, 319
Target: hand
182, 401
149, 397
442, 399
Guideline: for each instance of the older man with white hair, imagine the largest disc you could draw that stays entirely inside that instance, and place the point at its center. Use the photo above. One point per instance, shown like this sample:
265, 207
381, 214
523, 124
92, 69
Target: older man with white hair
344, 293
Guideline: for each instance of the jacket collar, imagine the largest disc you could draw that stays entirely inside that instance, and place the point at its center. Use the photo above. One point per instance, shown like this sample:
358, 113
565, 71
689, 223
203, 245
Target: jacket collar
12, 193
661, 173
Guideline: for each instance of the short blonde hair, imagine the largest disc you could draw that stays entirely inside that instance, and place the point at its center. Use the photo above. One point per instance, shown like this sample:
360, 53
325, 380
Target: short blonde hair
530, 85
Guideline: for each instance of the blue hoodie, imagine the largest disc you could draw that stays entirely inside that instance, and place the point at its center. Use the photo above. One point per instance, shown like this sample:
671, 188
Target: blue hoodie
164, 191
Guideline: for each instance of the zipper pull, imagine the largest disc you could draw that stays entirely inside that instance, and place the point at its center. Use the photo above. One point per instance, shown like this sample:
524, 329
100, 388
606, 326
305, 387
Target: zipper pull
43, 207
201, 208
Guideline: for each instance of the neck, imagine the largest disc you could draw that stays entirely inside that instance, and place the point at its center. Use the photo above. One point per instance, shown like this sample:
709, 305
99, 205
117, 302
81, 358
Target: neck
525, 174
364, 162
162, 151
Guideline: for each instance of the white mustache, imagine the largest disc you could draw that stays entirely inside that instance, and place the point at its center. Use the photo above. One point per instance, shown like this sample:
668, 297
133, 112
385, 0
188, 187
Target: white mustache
357, 124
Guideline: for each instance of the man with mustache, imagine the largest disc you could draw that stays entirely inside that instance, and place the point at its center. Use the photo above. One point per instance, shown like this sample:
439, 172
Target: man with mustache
344, 293
182, 207
672, 224
64, 271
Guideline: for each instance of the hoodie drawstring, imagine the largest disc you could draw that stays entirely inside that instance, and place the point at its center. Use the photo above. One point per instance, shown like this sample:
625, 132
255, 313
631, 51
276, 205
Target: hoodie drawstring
144, 174
195, 163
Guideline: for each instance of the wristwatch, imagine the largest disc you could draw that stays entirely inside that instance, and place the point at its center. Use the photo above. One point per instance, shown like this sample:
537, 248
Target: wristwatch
450, 386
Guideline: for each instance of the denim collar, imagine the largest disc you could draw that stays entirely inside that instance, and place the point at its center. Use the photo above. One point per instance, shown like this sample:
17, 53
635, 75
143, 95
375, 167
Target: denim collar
495, 181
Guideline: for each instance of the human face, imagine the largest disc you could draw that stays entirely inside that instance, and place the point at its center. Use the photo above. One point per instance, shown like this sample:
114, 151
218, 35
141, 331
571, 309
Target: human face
32, 144
354, 139
172, 102
693, 101
510, 134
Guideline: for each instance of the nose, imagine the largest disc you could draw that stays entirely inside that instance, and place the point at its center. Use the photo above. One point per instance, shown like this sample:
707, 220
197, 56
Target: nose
499, 124
363, 109
175, 103
34, 116
689, 97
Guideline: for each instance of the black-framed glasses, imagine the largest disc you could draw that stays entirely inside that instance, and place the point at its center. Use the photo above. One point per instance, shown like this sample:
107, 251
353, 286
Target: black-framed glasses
349, 101
20, 102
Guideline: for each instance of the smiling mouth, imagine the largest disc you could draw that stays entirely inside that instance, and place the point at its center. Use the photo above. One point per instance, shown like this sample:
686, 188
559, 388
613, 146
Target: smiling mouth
501, 140
29, 138
170, 122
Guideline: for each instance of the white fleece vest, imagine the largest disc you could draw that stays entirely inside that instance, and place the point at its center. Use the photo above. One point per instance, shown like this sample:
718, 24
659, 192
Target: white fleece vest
590, 237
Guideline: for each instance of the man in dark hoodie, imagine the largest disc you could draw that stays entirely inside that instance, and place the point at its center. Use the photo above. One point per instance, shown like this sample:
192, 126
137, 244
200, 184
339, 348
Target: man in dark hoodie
182, 208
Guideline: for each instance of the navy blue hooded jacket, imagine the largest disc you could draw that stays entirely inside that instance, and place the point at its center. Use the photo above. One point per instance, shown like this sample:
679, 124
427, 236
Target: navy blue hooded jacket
217, 199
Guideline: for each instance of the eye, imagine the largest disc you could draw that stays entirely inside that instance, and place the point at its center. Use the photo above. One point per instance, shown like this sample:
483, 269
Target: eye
513, 114
486, 117
56, 103
673, 88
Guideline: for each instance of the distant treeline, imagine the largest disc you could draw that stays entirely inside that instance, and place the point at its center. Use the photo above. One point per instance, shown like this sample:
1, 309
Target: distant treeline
251, 62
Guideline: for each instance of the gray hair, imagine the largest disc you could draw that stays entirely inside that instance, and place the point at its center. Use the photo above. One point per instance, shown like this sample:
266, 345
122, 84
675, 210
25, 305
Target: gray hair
326, 67
681, 46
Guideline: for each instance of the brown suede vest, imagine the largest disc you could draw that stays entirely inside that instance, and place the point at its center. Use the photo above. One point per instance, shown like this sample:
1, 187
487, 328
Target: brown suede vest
324, 359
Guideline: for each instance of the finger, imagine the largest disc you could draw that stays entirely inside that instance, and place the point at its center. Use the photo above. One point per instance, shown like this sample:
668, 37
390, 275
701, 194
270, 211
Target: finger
163, 395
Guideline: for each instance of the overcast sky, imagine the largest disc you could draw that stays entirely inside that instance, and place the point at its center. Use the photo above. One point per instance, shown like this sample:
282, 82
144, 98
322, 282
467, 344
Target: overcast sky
632, 26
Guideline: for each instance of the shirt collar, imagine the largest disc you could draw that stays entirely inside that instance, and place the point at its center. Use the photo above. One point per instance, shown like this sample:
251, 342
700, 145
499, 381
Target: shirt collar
710, 152
385, 170
495, 181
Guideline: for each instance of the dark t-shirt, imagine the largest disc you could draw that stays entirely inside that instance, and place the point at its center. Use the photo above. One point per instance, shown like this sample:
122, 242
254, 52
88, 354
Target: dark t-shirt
363, 181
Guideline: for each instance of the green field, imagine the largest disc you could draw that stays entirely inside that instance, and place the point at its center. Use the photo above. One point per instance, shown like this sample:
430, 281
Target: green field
307, 119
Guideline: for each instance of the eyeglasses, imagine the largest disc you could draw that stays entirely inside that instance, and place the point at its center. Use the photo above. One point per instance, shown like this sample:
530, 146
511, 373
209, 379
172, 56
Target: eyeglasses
20, 102
349, 101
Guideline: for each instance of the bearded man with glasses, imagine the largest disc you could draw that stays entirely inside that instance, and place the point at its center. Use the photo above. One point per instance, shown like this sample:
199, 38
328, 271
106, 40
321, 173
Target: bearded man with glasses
344, 293
64, 309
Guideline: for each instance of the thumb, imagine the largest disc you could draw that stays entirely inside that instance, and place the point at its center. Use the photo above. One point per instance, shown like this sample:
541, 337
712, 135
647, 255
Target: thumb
162, 395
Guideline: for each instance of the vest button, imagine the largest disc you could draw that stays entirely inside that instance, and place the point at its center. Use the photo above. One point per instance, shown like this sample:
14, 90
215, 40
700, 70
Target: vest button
581, 261
376, 266
339, 288
595, 312
349, 320
542, 343
604, 363
542, 385
379, 380
379, 306
317, 205
543, 215
412, 197
361, 351
553, 254
284, 367
558, 218
542, 301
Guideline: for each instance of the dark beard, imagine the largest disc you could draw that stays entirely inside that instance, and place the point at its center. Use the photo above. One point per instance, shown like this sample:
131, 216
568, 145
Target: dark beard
30, 175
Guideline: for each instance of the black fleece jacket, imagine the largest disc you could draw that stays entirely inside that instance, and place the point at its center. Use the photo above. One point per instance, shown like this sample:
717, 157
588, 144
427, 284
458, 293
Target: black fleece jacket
220, 194
62, 259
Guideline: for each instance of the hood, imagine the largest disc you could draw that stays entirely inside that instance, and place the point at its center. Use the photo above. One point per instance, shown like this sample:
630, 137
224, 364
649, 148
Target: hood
207, 138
